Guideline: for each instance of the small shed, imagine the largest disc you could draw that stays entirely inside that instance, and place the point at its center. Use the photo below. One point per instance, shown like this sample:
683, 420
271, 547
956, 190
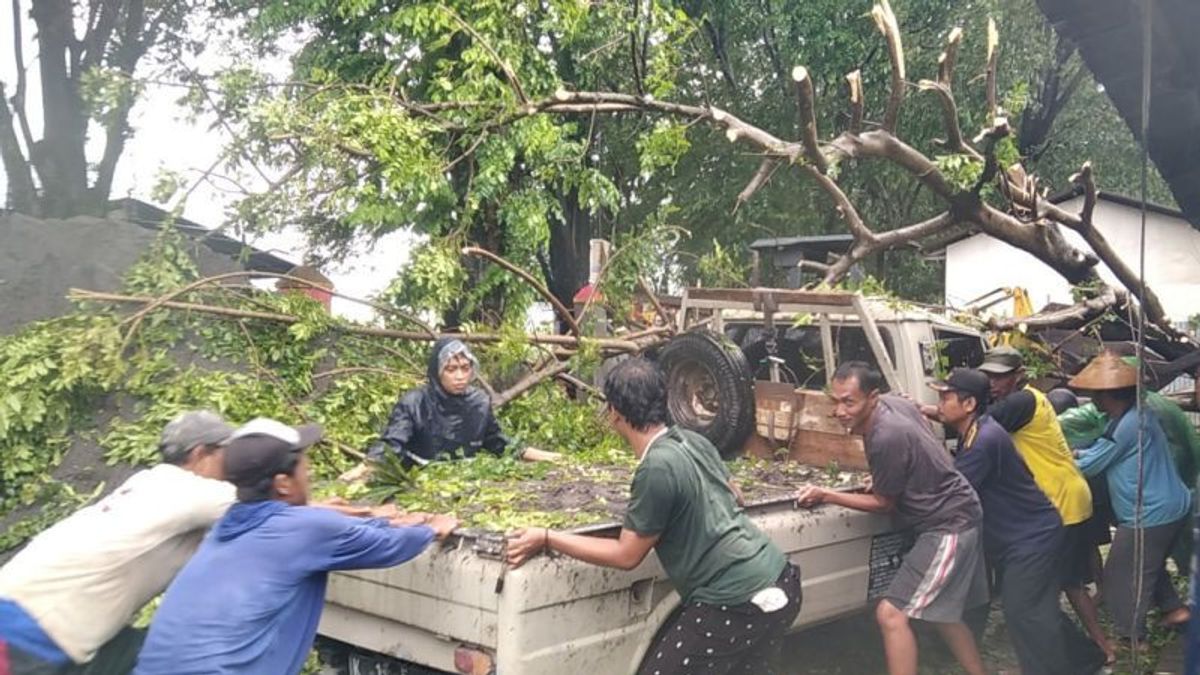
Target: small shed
789, 254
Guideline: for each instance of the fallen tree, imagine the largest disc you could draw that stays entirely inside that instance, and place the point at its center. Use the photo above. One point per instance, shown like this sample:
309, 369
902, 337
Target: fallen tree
977, 179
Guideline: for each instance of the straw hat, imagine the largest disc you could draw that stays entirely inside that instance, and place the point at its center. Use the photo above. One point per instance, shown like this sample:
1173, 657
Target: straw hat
1106, 371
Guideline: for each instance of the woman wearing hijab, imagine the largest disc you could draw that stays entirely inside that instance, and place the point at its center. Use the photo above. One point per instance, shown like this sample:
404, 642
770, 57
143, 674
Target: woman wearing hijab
447, 418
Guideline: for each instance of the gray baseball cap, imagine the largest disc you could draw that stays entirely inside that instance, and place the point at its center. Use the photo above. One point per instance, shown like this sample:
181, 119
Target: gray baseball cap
1001, 360
192, 428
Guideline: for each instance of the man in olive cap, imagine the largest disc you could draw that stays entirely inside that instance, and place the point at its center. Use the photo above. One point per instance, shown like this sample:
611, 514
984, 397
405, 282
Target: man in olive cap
66, 599
1028, 415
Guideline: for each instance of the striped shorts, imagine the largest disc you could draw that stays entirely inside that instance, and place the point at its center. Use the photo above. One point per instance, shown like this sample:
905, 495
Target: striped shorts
942, 575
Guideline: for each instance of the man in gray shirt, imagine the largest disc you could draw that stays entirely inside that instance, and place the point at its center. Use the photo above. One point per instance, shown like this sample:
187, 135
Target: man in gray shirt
913, 477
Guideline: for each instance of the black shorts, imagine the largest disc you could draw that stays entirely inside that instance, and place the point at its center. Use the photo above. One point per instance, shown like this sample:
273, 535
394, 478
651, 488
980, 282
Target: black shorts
1100, 524
1076, 558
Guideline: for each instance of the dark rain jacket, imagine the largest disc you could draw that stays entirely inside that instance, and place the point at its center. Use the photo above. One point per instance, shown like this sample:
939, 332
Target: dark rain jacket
429, 424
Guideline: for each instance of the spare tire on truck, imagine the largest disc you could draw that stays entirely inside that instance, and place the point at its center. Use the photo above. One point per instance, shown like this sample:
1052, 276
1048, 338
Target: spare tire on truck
710, 388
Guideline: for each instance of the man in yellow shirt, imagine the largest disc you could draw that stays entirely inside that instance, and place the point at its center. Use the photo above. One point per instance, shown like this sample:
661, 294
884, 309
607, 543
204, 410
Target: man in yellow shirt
1029, 417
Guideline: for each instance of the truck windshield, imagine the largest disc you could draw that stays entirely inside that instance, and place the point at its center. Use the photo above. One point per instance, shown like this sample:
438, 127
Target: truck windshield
800, 349
958, 350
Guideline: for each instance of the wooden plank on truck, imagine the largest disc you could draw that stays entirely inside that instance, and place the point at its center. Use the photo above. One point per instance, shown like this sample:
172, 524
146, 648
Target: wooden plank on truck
774, 410
782, 296
822, 449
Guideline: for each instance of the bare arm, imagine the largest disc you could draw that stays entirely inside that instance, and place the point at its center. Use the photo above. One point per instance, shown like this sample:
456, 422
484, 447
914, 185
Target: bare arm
626, 552
812, 495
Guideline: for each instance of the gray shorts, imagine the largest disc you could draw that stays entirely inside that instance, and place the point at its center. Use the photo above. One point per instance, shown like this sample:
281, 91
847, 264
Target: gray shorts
942, 575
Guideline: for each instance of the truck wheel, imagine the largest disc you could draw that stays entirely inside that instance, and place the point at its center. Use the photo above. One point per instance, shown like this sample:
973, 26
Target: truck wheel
709, 388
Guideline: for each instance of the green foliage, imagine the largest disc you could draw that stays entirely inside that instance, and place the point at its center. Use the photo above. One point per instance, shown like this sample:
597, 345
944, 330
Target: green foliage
663, 146
962, 171
718, 268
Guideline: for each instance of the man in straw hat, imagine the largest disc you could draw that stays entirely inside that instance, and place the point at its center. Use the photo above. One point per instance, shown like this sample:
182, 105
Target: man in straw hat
1165, 500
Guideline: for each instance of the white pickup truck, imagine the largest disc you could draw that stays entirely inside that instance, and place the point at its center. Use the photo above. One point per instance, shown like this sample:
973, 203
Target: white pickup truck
460, 609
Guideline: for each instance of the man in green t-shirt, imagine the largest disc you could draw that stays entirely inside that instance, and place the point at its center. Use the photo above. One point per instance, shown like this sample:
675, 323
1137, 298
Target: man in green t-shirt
739, 593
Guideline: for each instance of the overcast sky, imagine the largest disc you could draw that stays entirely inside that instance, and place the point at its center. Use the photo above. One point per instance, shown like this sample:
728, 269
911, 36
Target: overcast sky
164, 139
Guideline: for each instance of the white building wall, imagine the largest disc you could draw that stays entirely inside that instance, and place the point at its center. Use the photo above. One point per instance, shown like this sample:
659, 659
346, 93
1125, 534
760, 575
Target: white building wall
979, 264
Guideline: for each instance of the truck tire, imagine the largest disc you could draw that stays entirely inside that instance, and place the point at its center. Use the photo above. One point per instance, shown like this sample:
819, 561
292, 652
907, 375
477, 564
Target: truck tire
710, 388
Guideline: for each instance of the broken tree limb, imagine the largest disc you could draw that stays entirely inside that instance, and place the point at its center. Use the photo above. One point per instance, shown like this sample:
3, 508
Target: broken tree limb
885, 20
135, 320
854, 81
605, 344
993, 56
954, 137
563, 312
949, 57
807, 118
1065, 317
529, 382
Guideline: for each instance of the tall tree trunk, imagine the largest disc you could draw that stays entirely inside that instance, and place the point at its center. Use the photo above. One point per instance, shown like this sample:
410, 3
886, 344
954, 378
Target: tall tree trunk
61, 151
567, 268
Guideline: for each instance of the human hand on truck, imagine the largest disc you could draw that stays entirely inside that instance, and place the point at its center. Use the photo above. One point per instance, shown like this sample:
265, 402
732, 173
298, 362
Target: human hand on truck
523, 543
810, 496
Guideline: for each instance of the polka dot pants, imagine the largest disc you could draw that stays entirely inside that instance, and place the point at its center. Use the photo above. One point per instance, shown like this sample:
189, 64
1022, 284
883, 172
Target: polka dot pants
705, 639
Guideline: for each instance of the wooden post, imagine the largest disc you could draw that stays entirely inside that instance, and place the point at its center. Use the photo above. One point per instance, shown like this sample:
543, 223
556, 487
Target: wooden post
877, 344
828, 348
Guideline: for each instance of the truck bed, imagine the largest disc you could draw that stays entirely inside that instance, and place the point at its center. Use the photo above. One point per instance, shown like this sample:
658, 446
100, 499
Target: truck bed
556, 614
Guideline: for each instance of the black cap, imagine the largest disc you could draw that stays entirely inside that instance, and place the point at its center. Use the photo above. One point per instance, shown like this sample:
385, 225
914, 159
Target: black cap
262, 448
966, 381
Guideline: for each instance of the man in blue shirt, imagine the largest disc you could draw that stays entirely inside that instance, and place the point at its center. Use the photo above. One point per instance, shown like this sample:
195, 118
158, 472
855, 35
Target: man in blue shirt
250, 599
1022, 532
1150, 501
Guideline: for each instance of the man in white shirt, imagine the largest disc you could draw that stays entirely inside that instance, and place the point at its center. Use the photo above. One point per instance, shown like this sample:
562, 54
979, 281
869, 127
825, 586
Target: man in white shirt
66, 599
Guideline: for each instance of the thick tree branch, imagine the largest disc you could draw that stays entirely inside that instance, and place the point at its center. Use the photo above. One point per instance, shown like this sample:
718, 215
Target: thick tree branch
883, 145
808, 118
1085, 180
989, 139
885, 20
885, 240
1041, 239
605, 344
954, 137
529, 382
854, 222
